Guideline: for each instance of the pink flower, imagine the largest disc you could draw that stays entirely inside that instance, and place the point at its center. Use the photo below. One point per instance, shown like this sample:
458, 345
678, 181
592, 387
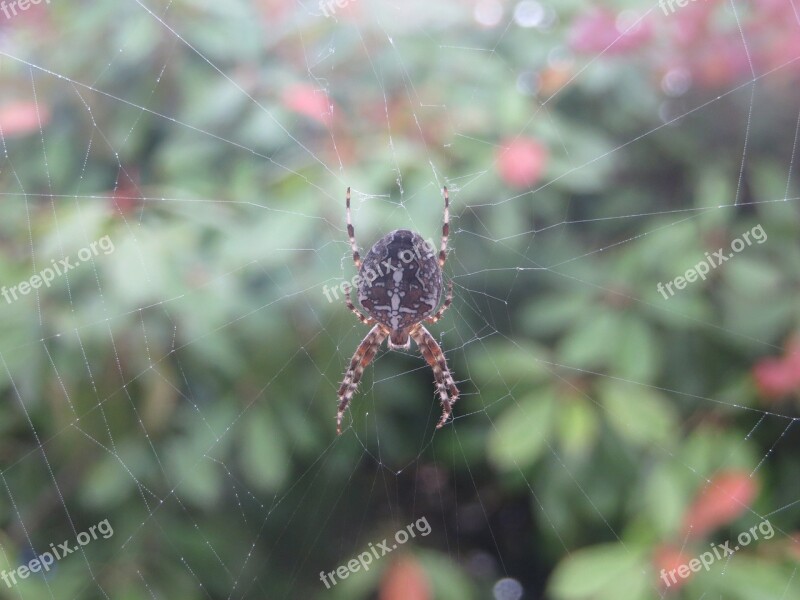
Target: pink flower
273, 11
692, 23
721, 62
781, 47
21, 118
717, 56
309, 102
773, 379
778, 377
720, 502
599, 30
668, 558
127, 196
774, 9
405, 579
521, 162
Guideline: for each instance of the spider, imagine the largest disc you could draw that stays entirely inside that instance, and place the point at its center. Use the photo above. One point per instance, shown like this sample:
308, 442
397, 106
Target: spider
399, 284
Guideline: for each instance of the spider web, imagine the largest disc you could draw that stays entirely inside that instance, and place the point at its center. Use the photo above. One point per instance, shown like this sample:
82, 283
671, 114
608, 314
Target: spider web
125, 333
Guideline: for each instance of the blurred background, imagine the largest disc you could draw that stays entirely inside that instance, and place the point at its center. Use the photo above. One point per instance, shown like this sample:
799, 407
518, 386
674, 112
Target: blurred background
188, 159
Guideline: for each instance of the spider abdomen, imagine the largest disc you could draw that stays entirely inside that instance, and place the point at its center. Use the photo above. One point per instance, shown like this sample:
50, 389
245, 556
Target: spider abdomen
400, 280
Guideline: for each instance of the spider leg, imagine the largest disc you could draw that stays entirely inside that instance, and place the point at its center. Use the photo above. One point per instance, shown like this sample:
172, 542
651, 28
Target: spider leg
448, 392
445, 228
351, 232
364, 354
447, 302
355, 311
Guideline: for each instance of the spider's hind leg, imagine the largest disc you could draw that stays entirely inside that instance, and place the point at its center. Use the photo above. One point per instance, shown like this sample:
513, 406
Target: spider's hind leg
364, 354
445, 385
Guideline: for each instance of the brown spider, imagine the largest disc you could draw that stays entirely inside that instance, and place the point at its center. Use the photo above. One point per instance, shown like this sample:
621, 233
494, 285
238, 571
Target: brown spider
399, 284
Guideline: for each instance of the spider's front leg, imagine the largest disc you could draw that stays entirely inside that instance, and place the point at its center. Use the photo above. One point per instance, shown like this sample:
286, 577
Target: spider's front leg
446, 386
351, 233
445, 229
364, 354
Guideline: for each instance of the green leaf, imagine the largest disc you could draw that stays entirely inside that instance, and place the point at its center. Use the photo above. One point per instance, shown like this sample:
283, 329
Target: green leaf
665, 498
751, 277
520, 432
508, 362
586, 346
552, 314
199, 479
608, 571
448, 580
746, 578
639, 415
111, 479
264, 458
636, 350
577, 425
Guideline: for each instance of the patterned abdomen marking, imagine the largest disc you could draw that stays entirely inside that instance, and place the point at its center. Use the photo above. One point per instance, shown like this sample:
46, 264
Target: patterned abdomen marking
401, 282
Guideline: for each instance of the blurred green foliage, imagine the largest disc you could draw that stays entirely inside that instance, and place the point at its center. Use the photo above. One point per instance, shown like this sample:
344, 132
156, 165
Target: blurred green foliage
184, 385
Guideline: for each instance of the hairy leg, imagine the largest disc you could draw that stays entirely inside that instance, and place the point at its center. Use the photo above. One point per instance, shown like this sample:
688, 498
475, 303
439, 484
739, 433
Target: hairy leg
445, 385
445, 229
364, 354
351, 233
